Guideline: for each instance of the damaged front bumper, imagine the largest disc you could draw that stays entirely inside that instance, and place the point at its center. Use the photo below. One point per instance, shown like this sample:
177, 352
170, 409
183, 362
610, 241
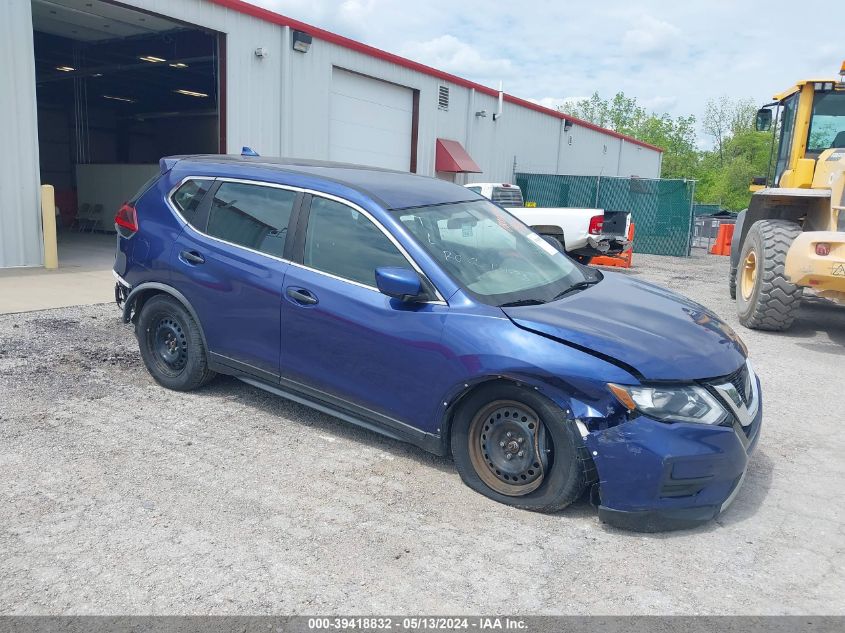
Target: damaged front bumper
655, 476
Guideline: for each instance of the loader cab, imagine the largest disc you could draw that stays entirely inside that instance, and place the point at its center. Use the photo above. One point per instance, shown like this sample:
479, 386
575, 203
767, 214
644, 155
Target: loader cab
808, 120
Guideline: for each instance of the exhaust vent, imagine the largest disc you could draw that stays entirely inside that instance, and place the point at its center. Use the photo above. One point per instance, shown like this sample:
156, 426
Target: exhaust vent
443, 98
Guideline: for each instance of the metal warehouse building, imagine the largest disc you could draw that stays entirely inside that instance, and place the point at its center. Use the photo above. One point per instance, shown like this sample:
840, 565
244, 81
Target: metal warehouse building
93, 92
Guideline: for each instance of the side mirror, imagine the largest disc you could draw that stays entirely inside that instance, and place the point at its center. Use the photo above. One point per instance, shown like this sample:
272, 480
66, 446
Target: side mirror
400, 283
763, 121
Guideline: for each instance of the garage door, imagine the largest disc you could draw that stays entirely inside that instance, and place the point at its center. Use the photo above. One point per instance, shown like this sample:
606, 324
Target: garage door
370, 121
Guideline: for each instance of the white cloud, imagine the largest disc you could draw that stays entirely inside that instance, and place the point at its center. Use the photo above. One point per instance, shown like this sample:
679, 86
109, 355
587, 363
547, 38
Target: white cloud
448, 53
357, 12
659, 103
651, 36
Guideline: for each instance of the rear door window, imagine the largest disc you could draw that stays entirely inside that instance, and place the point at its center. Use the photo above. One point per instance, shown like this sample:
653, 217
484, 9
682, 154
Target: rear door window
189, 195
254, 216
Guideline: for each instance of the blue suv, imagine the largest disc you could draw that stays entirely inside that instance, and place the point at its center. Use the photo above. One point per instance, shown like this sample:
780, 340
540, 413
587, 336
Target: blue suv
416, 308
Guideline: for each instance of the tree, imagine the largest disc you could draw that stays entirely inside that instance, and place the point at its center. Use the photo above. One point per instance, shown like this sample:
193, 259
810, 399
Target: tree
740, 153
624, 115
724, 117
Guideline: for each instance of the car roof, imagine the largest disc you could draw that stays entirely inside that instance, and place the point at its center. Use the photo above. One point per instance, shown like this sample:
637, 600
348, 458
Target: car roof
388, 188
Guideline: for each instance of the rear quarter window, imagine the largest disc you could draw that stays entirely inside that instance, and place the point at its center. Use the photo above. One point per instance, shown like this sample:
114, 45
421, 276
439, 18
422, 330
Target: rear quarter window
189, 195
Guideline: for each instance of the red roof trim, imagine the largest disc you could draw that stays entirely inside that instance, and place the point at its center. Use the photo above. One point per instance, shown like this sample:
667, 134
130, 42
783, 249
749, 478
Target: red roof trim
450, 156
277, 18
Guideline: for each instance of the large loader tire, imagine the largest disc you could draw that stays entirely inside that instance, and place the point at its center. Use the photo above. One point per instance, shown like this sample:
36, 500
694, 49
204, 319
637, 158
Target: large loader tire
765, 298
732, 282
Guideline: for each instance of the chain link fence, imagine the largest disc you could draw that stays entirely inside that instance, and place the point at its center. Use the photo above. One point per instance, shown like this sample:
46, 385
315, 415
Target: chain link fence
661, 209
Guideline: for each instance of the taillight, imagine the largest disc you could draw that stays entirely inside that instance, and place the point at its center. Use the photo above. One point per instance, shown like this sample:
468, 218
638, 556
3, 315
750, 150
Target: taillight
822, 249
596, 225
127, 217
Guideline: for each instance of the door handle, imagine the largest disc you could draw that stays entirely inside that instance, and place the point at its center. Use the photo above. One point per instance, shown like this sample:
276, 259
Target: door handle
302, 297
192, 257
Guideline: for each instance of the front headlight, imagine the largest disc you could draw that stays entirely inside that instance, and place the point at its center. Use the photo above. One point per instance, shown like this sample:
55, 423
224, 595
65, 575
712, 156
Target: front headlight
688, 403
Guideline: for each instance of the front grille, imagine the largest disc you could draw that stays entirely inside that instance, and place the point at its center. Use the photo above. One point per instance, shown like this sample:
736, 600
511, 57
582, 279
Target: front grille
739, 379
741, 403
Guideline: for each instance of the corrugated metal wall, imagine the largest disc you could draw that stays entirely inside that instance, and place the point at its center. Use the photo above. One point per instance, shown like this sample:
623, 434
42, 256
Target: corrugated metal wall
20, 214
279, 105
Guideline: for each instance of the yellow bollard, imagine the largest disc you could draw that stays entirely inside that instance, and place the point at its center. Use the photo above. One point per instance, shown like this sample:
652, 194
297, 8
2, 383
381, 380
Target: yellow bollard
48, 224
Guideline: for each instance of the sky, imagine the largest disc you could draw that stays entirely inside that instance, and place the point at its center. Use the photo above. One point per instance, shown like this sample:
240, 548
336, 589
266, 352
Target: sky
673, 56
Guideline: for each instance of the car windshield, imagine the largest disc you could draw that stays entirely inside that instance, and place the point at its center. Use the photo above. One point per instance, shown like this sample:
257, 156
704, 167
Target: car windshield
499, 260
827, 127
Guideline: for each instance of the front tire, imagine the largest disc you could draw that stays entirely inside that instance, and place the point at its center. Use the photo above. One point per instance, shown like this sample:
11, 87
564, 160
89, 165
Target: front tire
517, 448
765, 298
171, 345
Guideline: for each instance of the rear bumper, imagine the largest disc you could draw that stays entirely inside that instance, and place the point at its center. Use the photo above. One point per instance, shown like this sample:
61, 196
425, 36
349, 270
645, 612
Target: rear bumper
603, 245
655, 476
121, 289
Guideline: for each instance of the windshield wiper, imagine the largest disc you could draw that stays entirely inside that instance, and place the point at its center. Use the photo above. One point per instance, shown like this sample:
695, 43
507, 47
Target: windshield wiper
579, 285
521, 302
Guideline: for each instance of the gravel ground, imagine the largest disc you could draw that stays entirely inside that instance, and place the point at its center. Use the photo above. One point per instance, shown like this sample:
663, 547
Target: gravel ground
117, 496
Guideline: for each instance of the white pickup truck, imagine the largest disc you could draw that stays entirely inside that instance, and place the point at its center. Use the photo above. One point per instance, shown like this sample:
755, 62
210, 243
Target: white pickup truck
584, 233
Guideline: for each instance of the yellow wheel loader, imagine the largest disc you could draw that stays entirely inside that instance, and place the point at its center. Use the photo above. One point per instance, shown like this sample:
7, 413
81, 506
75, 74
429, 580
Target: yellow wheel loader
792, 236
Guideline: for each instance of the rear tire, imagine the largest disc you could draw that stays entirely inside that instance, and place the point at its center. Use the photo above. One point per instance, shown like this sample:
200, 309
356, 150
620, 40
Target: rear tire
765, 298
171, 345
548, 478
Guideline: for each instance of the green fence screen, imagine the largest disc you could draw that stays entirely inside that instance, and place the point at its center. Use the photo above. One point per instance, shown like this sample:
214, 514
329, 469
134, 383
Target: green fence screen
660, 209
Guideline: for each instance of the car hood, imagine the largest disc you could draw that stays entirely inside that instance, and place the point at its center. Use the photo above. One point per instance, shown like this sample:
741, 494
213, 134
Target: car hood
660, 334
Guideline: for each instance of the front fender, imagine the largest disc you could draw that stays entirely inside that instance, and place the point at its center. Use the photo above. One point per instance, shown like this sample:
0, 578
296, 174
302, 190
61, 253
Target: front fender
572, 379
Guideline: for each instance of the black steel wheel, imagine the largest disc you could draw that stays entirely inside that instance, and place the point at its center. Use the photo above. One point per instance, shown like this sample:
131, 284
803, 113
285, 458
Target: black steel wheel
171, 344
514, 446
508, 447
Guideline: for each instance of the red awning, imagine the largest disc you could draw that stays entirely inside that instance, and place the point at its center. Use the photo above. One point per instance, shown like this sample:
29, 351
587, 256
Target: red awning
451, 156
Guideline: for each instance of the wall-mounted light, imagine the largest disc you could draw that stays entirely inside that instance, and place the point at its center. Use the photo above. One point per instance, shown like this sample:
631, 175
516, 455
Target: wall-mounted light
301, 41
567, 125
481, 114
261, 52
